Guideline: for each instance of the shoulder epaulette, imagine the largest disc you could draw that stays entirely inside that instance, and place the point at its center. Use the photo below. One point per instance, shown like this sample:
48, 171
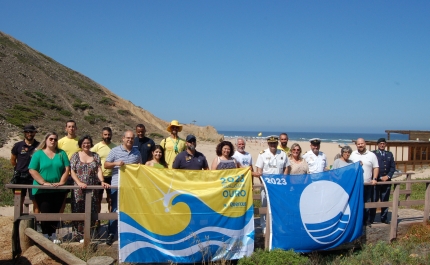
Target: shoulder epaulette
262, 152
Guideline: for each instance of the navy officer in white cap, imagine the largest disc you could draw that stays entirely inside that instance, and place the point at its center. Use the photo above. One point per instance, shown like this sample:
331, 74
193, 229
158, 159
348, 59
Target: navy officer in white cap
317, 160
271, 161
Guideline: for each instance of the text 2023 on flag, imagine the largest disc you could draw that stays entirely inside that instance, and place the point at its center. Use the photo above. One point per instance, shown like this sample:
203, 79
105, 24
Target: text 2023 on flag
315, 212
184, 216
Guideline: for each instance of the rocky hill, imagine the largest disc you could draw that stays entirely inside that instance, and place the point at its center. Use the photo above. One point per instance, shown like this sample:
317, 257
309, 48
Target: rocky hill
36, 89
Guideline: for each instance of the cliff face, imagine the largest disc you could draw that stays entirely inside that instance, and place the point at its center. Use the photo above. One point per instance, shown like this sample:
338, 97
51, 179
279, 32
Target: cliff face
36, 89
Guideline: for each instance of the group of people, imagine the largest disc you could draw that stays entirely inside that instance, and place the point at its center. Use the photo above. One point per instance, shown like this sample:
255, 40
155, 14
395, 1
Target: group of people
77, 161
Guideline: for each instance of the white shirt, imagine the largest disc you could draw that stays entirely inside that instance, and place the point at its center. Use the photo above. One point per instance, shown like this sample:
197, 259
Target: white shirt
272, 164
370, 161
244, 160
317, 163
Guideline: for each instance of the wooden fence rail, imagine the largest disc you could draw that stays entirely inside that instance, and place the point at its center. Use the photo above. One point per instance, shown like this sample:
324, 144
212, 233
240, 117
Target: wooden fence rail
87, 217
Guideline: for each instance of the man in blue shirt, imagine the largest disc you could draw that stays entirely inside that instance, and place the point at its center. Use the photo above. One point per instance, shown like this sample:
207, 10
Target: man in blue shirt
387, 167
143, 143
119, 156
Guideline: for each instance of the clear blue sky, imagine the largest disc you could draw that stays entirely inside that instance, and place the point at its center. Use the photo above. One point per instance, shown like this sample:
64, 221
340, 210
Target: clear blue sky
322, 66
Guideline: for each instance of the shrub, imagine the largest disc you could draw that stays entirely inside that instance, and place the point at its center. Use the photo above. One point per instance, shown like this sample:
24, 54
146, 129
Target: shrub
81, 105
93, 119
274, 257
107, 101
6, 171
20, 115
65, 113
123, 112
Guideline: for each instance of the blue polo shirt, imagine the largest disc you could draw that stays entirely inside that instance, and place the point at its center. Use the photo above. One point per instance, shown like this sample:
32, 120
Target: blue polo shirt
119, 153
184, 160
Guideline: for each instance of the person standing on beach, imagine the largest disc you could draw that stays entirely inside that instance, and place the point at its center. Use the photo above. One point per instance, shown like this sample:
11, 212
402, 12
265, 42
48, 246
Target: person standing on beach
242, 157
270, 161
69, 144
283, 141
20, 157
103, 149
143, 143
387, 167
191, 158
121, 155
370, 165
317, 160
173, 145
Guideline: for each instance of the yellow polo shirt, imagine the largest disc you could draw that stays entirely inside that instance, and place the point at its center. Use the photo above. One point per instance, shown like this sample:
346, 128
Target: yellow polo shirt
69, 145
103, 151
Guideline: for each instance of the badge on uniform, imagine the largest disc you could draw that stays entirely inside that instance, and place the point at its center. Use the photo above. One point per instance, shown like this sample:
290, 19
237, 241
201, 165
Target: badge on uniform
188, 158
149, 145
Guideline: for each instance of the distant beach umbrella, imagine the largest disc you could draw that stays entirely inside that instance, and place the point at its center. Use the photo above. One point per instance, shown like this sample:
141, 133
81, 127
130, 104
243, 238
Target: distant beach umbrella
260, 134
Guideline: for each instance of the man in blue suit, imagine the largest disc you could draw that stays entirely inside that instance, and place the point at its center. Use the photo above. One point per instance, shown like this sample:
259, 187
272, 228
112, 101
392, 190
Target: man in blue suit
387, 167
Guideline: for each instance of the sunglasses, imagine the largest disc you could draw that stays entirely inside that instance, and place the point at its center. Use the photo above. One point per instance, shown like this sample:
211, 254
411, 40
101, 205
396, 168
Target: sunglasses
295, 149
53, 139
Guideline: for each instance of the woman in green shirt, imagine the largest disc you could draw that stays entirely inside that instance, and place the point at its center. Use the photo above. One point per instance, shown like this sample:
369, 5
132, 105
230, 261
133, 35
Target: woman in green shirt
156, 158
49, 166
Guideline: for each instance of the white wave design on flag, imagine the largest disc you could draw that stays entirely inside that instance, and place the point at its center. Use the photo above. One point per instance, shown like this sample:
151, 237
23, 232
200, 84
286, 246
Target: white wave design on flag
132, 247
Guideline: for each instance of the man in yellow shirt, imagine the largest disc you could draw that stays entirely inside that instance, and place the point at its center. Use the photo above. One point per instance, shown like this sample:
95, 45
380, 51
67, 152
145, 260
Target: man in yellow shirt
69, 144
102, 149
173, 145
283, 141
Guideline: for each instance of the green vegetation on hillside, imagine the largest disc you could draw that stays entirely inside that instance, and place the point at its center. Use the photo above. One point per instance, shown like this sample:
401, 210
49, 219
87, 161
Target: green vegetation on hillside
6, 172
20, 115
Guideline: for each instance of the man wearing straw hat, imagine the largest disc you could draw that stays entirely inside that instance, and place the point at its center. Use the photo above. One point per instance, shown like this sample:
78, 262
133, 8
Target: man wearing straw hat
173, 145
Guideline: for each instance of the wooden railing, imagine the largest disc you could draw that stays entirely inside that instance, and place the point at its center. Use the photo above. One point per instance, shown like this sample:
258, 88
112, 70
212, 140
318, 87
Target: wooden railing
87, 217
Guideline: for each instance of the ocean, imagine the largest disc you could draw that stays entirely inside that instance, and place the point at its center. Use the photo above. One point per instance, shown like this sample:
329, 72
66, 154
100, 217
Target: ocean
305, 136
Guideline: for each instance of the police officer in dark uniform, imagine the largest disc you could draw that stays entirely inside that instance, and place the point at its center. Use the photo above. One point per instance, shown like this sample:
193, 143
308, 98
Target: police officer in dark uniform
387, 167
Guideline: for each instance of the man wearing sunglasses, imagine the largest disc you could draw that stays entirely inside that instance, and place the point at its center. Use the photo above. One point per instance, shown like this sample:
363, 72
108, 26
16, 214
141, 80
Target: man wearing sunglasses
173, 145
20, 159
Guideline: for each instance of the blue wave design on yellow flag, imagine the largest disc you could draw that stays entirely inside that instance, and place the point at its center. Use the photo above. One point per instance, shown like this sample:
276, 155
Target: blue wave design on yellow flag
184, 216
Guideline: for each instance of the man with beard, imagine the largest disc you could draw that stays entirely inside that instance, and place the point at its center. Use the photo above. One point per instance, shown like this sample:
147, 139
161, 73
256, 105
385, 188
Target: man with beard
283, 141
271, 161
119, 156
102, 149
370, 165
191, 158
143, 143
20, 159
173, 145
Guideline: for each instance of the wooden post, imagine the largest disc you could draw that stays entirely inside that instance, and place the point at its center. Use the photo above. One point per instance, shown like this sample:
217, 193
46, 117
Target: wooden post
87, 221
395, 212
24, 241
268, 230
427, 204
408, 187
58, 251
17, 204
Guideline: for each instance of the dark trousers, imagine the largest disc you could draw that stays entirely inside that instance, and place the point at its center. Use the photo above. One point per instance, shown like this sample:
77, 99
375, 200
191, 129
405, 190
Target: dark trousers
49, 203
368, 192
113, 224
382, 193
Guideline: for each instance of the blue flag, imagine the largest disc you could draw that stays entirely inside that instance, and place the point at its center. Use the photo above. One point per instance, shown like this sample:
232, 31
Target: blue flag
315, 211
